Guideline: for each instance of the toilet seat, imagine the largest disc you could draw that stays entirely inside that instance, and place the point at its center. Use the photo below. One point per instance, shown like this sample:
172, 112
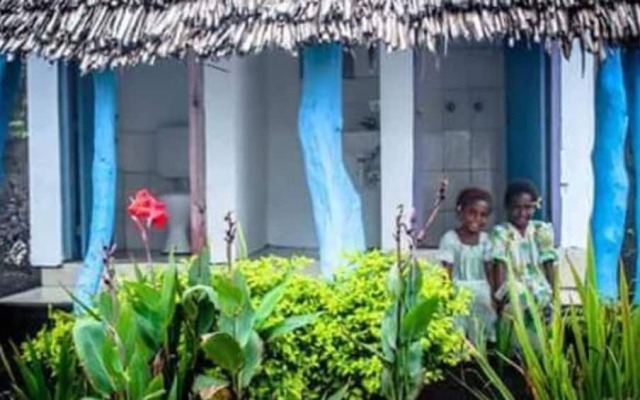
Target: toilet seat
178, 227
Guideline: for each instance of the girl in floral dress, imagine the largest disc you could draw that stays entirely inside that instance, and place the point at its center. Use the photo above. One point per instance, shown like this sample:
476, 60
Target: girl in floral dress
465, 252
523, 248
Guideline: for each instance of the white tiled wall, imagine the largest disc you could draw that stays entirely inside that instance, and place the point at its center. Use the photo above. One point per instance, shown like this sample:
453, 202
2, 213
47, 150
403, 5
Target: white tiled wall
460, 126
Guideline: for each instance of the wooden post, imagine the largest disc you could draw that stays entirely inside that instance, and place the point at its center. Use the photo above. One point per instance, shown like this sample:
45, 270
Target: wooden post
611, 183
104, 186
632, 75
9, 84
197, 170
336, 205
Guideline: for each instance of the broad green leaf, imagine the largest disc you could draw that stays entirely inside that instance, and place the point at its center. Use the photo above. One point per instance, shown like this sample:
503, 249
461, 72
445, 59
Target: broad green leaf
389, 331
167, 303
65, 370
222, 349
244, 324
291, 324
200, 270
242, 241
414, 367
199, 302
148, 325
111, 357
155, 389
387, 385
32, 374
173, 392
253, 358
203, 382
418, 318
139, 375
155, 395
230, 297
106, 307
89, 337
241, 283
394, 284
269, 303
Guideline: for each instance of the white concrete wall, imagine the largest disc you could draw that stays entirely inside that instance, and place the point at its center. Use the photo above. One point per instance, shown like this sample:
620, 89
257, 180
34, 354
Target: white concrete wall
150, 98
577, 130
45, 195
236, 142
396, 138
252, 142
465, 144
290, 218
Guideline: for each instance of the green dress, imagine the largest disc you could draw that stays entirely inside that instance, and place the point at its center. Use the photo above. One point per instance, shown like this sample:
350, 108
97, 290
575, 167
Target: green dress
469, 272
524, 256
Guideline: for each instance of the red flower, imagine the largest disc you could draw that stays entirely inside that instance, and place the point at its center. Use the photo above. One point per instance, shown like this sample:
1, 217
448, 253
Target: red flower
145, 207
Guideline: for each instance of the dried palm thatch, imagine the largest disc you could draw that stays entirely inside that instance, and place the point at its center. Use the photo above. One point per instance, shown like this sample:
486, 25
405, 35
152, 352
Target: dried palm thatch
113, 33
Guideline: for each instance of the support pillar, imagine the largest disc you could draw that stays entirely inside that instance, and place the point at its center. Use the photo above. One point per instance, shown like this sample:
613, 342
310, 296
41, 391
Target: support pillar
396, 138
336, 204
197, 170
632, 75
578, 131
104, 185
611, 183
221, 158
45, 168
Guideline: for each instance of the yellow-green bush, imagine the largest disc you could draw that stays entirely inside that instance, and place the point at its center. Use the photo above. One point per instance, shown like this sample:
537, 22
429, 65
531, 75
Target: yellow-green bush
47, 342
321, 358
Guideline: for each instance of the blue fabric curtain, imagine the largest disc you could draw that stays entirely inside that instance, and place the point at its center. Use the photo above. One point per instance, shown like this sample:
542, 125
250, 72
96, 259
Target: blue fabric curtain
336, 205
610, 175
104, 186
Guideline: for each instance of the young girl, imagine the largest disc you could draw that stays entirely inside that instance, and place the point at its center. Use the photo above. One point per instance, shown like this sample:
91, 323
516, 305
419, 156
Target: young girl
465, 251
523, 248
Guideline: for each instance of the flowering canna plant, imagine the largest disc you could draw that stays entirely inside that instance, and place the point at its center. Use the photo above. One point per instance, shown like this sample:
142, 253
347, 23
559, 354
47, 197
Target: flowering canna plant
146, 212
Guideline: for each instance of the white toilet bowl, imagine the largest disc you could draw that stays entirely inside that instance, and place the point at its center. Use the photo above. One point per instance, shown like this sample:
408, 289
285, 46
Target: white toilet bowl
178, 227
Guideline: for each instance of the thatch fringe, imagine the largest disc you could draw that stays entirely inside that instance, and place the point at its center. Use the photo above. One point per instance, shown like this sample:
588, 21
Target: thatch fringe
114, 33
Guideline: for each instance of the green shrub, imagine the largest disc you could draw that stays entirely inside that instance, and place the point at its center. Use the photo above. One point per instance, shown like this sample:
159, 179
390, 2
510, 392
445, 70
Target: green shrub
323, 357
320, 359
47, 342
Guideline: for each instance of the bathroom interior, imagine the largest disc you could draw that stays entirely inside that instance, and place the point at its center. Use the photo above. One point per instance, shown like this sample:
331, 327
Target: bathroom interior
459, 128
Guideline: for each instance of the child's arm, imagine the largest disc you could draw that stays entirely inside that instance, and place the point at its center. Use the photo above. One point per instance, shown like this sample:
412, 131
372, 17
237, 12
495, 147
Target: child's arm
449, 268
548, 253
497, 279
446, 251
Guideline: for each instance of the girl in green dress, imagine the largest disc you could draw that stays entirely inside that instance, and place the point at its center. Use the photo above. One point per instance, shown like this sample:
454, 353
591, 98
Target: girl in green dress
465, 252
524, 249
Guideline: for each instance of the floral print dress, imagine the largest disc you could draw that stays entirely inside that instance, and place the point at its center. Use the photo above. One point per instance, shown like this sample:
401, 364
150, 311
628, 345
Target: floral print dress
469, 272
524, 257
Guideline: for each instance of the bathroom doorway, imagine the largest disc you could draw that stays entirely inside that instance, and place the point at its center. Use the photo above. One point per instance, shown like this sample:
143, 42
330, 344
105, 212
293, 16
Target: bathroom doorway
153, 140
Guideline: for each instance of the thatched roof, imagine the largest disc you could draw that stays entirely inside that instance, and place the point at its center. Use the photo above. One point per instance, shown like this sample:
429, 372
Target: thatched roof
113, 33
